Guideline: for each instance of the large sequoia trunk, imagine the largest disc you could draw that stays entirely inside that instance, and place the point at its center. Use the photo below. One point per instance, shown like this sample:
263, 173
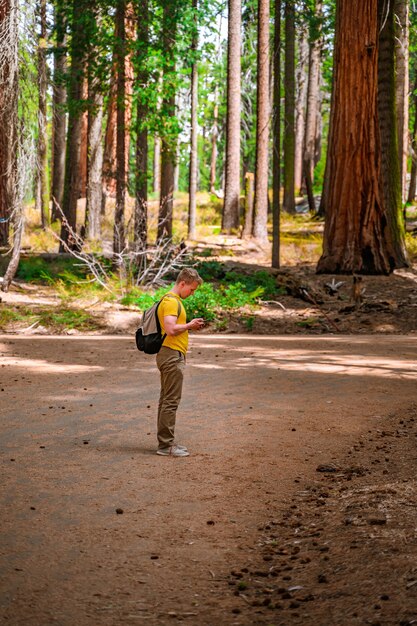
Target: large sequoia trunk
358, 232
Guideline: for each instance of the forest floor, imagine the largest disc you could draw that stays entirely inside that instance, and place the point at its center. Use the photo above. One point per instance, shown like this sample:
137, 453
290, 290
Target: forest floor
308, 303
297, 504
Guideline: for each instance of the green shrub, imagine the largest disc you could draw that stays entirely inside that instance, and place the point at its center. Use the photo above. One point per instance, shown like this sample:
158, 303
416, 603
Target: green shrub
207, 301
35, 269
216, 271
203, 303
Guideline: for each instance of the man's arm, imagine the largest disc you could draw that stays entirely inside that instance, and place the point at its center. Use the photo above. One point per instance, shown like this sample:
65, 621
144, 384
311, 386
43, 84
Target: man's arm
173, 329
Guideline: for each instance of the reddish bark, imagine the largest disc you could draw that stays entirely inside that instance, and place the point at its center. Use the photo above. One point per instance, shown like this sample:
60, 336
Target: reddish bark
109, 158
356, 235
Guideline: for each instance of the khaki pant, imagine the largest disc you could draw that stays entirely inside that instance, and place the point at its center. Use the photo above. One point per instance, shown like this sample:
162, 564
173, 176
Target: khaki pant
171, 364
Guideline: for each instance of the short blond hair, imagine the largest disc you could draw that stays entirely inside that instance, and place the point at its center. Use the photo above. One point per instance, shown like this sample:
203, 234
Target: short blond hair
189, 275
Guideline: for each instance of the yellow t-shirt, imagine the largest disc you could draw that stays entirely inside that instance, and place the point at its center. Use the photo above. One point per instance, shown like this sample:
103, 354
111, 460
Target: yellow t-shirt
169, 306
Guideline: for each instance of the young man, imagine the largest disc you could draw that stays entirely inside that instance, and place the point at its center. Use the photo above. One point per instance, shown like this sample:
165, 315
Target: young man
171, 358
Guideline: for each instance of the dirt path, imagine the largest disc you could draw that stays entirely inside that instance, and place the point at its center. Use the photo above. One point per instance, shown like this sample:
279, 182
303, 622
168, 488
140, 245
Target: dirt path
244, 531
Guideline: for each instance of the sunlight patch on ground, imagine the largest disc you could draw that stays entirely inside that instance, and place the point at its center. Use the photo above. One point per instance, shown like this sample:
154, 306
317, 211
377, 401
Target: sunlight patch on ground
40, 365
346, 364
324, 363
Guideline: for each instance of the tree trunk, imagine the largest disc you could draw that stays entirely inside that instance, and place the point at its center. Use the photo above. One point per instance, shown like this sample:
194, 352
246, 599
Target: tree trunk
289, 112
192, 209
8, 116
413, 175
260, 227
390, 178
169, 140
177, 159
11, 270
84, 142
59, 120
121, 130
356, 233
276, 139
300, 106
214, 135
319, 122
231, 206
141, 188
72, 164
109, 152
42, 191
401, 12
110, 141
94, 191
249, 197
312, 106
157, 165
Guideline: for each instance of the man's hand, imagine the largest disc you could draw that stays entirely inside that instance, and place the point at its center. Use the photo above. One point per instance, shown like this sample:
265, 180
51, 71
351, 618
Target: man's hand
196, 324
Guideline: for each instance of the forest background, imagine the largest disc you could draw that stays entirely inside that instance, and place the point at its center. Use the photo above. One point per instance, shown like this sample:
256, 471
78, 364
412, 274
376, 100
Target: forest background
136, 137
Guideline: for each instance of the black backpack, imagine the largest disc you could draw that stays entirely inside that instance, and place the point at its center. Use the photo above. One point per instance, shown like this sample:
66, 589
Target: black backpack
149, 337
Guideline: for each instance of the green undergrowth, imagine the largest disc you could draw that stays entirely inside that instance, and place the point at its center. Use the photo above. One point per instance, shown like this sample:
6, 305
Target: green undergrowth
59, 319
222, 291
35, 269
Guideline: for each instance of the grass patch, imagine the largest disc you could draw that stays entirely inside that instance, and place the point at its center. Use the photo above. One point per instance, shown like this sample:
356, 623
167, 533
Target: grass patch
57, 319
8, 315
63, 318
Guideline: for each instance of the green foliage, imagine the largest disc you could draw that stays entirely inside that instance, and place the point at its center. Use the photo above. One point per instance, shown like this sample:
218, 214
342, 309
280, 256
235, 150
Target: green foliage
210, 299
235, 291
38, 270
143, 299
203, 303
215, 270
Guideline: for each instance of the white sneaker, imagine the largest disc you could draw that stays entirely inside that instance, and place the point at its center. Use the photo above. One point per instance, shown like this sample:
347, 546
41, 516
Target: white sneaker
174, 450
